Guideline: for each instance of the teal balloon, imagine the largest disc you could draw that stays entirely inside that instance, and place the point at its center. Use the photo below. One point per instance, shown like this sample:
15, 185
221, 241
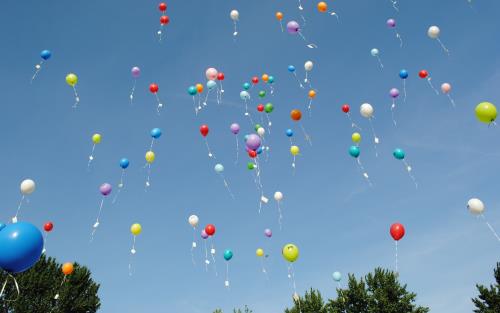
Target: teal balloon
246, 86
337, 276
270, 79
399, 154
192, 90
228, 255
354, 151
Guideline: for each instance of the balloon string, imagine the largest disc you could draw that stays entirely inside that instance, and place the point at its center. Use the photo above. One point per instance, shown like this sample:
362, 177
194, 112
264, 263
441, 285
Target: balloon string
309, 45
429, 80
45, 236
394, 5
309, 107
393, 108
397, 272
132, 92
332, 13
221, 89
451, 100
91, 157
363, 171
300, 6
77, 98
293, 165
491, 228
199, 102
375, 138
353, 125
160, 33
380, 62
235, 29
195, 107
443, 46
307, 137
280, 215
226, 283
96, 224
210, 154
398, 36
38, 68
212, 252
62, 283
269, 123
148, 175
305, 79
160, 105
226, 184
206, 256
120, 187
5, 285
409, 169
264, 268
193, 246
237, 150
291, 275
14, 219
300, 83
404, 89
281, 26
206, 97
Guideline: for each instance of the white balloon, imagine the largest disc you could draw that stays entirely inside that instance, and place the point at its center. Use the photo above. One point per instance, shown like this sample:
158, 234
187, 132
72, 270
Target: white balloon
308, 66
475, 206
278, 196
366, 110
374, 52
261, 131
235, 15
27, 186
211, 73
433, 32
193, 220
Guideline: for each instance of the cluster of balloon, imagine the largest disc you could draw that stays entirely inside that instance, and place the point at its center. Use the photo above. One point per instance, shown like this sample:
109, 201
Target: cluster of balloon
433, 32
323, 8
446, 89
47, 227
355, 151
366, 111
96, 139
219, 169
193, 220
235, 17
394, 93
135, 229
403, 74
476, 207
391, 23
279, 17
278, 196
72, 80
293, 28
208, 233
290, 253
164, 19
397, 232
486, 112
21, 246
124, 164
423, 74
136, 72
228, 255
153, 88
376, 53
399, 154
67, 269
150, 155
267, 109
337, 277
105, 190
45, 55
212, 76
346, 109
27, 187
296, 116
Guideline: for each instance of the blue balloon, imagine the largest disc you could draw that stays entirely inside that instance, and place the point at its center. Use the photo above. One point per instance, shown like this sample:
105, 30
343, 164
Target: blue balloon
155, 133
45, 54
403, 74
259, 150
291, 68
289, 132
246, 86
337, 276
21, 246
2, 226
270, 79
228, 255
354, 151
245, 138
124, 163
398, 154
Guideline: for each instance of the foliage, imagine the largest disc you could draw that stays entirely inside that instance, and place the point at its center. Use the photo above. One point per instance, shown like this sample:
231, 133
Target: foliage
488, 300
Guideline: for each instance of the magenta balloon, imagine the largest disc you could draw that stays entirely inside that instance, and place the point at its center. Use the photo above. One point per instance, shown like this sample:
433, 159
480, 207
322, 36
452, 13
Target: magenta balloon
391, 22
293, 27
136, 72
268, 233
253, 142
235, 128
105, 189
204, 235
394, 92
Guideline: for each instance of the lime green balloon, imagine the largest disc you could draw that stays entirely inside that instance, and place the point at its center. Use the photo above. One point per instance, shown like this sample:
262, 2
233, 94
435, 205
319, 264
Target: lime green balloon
262, 94
269, 107
71, 79
257, 126
290, 252
486, 112
250, 166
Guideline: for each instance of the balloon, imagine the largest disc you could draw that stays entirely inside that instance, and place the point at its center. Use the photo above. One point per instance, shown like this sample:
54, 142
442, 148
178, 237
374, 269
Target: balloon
262, 94
67, 268
210, 229
403, 74
96, 138
270, 79
211, 73
290, 252
366, 110
220, 76
253, 142
259, 252
486, 112
27, 187
260, 108
265, 78
199, 88
153, 88
312, 94
308, 66
155, 133
394, 93
446, 88
397, 231
423, 74
2, 226
475, 206
45, 54
235, 128
244, 95
235, 15
398, 154
136, 229
21, 246
294, 150
279, 16
204, 234
354, 151
192, 90
136, 72
296, 115
293, 27
259, 151
204, 130
193, 220
150, 157
356, 137
252, 154
322, 7
211, 84
291, 68
162, 7
345, 108
47, 226
228, 255
433, 32
255, 80
289, 132
250, 166
268, 233
391, 23
246, 86
278, 196
219, 168
374, 52
261, 132
337, 276
71, 79
164, 19
105, 189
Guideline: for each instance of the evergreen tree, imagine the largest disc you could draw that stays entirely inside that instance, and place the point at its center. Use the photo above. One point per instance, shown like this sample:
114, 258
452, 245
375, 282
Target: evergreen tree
39, 285
488, 300
246, 310
312, 302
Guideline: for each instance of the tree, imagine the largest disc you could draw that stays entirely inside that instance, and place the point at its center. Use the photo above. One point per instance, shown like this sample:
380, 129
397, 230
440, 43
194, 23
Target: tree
312, 302
488, 300
246, 310
39, 285
379, 292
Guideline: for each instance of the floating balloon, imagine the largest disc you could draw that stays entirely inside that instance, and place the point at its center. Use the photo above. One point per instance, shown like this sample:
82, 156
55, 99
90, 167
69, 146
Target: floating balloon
235, 16
308, 67
235, 129
253, 142
278, 196
193, 220
47, 227
337, 276
355, 151
219, 169
136, 72
292, 70
150, 156
356, 137
312, 95
323, 8
346, 109
96, 139
164, 20
399, 154
105, 190
228, 255
21, 246
279, 17
268, 233
259, 252
476, 207
204, 133
44, 55
433, 32
446, 89
423, 74
366, 111
397, 232
294, 28
296, 115
210, 231
391, 23
72, 80
67, 269
27, 187
486, 112
394, 93
403, 74
124, 164
375, 53
220, 78
153, 88
290, 252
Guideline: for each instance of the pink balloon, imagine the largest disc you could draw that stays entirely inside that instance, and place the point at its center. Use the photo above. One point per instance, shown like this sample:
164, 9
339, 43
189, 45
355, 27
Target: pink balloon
211, 73
445, 88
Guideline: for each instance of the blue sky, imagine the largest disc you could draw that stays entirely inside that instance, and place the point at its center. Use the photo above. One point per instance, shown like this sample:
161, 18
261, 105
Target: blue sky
338, 222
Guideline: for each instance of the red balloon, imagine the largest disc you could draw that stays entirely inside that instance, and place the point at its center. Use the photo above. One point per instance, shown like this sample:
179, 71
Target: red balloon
260, 108
252, 154
162, 7
255, 80
153, 88
210, 229
423, 74
345, 108
204, 130
48, 226
164, 20
220, 76
296, 115
397, 231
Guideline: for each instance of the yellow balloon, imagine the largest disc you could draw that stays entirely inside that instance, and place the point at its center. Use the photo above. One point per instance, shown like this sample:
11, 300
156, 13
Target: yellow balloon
294, 150
290, 252
486, 112
135, 229
71, 79
356, 137
96, 138
259, 252
150, 157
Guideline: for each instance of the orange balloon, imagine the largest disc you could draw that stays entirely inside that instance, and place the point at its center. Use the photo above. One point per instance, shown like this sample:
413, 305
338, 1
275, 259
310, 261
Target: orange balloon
312, 94
296, 115
68, 268
265, 77
279, 16
199, 88
322, 6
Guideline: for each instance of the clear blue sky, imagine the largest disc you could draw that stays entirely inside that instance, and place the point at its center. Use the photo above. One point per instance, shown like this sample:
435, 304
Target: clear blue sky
338, 222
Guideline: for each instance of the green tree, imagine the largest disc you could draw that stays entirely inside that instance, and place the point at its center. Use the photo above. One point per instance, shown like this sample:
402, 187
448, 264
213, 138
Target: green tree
39, 285
379, 292
488, 300
245, 310
312, 302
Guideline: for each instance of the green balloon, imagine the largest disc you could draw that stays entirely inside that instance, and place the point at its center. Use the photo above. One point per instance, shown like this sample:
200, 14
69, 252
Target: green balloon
257, 126
486, 112
250, 166
269, 108
262, 93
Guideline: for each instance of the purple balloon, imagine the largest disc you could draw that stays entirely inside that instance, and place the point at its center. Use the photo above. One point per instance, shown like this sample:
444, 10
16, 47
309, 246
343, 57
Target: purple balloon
105, 189
394, 92
253, 142
136, 72
235, 128
391, 23
293, 27
204, 235
268, 233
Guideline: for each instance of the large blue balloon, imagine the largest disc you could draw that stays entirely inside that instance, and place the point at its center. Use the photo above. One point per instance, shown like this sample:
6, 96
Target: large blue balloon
156, 133
45, 54
21, 246
124, 163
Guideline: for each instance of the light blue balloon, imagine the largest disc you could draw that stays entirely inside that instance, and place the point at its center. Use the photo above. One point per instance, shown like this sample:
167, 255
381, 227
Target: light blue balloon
289, 132
244, 95
403, 74
228, 255
259, 150
211, 84
337, 276
246, 86
21, 246
291, 68
219, 168
156, 133
124, 163
354, 151
270, 79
